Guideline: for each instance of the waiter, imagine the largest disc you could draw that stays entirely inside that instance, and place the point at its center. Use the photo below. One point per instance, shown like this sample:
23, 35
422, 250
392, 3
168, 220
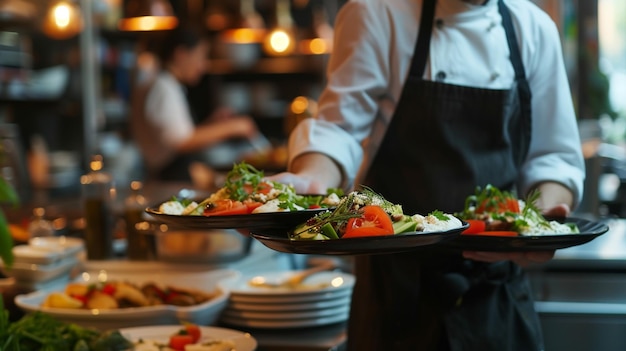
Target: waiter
425, 101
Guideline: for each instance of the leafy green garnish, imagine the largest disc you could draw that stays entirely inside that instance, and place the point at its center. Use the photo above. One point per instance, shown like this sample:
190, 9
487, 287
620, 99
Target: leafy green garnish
242, 180
40, 331
7, 195
439, 215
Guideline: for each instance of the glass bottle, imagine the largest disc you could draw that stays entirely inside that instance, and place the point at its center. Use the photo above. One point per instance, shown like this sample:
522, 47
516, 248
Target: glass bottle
98, 194
139, 247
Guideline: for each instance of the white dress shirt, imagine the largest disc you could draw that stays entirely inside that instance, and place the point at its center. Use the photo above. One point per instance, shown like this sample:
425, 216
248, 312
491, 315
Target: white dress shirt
161, 121
374, 42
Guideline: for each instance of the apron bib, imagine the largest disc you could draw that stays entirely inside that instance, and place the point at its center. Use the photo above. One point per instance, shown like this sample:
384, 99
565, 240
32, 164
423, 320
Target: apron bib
450, 139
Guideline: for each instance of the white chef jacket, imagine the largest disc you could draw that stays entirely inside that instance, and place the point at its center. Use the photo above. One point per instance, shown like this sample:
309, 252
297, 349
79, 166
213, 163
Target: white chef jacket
374, 43
162, 121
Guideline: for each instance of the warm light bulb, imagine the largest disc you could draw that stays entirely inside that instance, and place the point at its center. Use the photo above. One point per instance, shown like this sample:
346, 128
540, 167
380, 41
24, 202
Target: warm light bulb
62, 15
279, 42
299, 105
62, 21
317, 46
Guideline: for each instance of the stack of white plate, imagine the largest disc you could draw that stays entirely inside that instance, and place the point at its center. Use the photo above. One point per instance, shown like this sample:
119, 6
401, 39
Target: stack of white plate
322, 299
45, 261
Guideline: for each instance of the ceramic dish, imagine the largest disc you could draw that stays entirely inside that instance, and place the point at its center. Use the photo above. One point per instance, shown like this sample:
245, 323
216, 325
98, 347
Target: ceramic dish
29, 272
295, 299
280, 315
47, 250
243, 341
203, 314
285, 323
589, 230
256, 221
289, 306
280, 241
315, 285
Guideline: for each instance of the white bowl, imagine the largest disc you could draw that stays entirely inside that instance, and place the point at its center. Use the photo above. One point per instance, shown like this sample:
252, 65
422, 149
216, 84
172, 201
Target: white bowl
206, 313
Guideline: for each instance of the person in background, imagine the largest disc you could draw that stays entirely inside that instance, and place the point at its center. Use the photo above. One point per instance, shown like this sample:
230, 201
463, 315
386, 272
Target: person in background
161, 119
426, 100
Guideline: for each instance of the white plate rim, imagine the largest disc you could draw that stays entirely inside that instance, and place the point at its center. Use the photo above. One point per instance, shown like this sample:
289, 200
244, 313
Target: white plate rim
291, 299
280, 315
240, 286
297, 306
286, 323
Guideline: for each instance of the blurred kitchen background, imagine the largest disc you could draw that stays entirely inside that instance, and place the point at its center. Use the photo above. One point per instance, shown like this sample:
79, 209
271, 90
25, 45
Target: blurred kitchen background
67, 68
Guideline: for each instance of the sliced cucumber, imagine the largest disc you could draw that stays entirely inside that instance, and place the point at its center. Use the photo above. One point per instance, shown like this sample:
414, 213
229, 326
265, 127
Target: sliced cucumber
405, 225
328, 230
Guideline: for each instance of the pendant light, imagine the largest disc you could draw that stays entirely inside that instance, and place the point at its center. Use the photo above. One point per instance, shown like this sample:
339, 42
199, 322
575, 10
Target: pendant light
280, 41
320, 36
249, 27
148, 15
63, 20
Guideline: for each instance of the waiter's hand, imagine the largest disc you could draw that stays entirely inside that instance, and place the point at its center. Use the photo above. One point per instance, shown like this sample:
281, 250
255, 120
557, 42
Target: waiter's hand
311, 173
302, 184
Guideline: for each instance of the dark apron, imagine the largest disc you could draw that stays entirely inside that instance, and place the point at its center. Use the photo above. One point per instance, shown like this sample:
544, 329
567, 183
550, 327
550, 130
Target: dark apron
443, 141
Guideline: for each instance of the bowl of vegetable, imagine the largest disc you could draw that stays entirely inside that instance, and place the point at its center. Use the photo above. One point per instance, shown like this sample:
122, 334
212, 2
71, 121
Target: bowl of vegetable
121, 297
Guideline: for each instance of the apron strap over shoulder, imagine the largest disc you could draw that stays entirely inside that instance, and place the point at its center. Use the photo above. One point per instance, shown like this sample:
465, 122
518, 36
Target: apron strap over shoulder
516, 58
422, 46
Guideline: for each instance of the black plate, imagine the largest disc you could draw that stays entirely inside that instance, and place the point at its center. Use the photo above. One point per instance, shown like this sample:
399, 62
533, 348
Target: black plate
588, 231
255, 221
279, 241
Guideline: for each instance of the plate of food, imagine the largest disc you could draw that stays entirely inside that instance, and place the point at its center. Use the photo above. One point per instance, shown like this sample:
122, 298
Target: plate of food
246, 201
104, 299
363, 222
499, 221
188, 337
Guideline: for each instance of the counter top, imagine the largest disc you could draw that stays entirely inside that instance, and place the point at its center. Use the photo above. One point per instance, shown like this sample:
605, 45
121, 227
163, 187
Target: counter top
608, 251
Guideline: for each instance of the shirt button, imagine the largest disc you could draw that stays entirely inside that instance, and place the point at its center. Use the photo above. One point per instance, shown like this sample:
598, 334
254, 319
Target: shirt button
440, 76
495, 75
439, 22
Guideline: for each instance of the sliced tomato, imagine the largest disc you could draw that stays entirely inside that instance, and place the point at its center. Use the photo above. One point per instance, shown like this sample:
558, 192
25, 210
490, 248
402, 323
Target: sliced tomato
498, 233
261, 188
226, 207
475, 226
194, 331
178, 341
498, 205
251, 205
374, 222
109, 289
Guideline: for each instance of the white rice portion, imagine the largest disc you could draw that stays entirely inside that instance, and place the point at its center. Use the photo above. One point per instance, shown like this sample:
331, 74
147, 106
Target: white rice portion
431, 223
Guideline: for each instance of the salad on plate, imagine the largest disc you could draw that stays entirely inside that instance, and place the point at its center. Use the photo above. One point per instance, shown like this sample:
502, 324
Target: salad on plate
365, 213
495, 212
247, 191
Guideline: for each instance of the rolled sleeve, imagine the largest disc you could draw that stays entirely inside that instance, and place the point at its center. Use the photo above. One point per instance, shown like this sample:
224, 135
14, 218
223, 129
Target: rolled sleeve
312, 135
555, 150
